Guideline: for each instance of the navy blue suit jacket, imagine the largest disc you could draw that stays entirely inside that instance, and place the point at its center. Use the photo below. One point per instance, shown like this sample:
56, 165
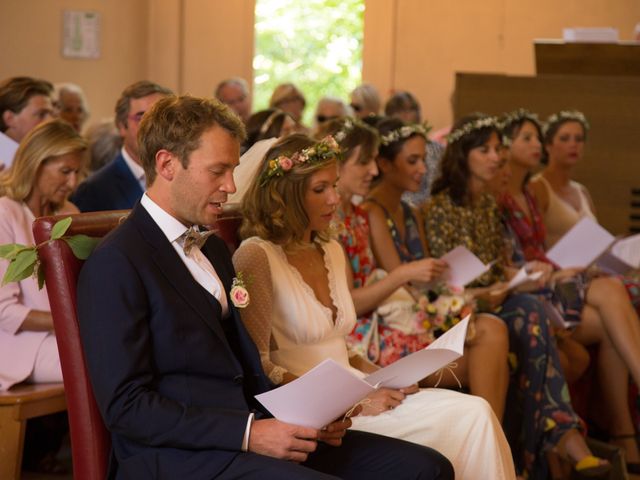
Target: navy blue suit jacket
173, 380
113, 187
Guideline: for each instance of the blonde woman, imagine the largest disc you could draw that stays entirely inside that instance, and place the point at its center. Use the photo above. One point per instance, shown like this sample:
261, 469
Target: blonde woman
43, 174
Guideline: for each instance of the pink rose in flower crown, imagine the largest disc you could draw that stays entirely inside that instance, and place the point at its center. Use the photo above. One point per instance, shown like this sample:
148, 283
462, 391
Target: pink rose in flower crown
239, 294
285, 163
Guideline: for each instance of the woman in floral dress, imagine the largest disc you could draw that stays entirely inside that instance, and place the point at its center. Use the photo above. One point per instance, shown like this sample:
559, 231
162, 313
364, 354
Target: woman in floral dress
539, 416
484, 366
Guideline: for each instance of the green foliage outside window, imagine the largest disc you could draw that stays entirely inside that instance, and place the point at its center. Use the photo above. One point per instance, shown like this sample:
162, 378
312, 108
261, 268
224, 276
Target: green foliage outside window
315, 44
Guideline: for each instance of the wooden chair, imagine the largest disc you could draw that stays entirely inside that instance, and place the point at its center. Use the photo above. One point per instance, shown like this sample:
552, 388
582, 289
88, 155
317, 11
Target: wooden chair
18, 405
90, 441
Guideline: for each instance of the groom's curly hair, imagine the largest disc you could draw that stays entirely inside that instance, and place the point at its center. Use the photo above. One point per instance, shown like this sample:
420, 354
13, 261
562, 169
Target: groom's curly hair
275, 210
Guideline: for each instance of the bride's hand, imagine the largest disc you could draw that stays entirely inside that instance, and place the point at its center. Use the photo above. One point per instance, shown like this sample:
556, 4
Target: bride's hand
382, 400
411, 389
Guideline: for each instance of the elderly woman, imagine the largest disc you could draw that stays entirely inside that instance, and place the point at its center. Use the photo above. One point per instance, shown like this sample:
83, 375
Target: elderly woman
71, 104
43, 174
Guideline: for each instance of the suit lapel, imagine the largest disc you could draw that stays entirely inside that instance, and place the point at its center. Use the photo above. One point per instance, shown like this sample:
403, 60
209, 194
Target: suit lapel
128, 184
177, 273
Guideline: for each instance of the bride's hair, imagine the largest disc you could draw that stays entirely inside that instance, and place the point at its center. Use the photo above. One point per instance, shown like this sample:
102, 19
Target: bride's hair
274, 209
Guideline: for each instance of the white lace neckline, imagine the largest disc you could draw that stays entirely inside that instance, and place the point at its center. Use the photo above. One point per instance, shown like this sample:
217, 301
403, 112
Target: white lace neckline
309, 291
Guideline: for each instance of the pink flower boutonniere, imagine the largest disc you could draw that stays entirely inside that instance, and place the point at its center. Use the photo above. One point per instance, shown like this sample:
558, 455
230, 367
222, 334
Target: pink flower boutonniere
239, 294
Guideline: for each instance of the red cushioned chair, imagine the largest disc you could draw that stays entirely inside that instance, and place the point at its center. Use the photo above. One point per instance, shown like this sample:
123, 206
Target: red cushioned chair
90, 441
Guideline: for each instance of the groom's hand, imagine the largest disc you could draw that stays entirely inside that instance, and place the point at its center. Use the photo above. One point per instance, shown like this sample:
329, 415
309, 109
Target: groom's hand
274, 438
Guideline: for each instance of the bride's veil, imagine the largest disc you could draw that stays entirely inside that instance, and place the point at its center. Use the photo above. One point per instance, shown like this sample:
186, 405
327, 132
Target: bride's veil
246, 170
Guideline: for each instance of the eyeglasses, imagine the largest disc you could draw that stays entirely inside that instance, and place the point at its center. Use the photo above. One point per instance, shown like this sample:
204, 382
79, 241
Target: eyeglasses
325, 118
356, 107
136, 117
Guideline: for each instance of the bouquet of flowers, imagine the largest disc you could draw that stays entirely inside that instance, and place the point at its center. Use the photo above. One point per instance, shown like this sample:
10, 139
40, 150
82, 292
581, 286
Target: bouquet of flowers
441, 309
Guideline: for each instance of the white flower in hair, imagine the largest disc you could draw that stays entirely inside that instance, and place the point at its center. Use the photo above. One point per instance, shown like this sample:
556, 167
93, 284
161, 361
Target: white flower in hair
469, 127
405, 132
566, 115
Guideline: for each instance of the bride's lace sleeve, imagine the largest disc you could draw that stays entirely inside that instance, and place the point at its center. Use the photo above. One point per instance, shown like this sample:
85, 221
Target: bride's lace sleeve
252, 261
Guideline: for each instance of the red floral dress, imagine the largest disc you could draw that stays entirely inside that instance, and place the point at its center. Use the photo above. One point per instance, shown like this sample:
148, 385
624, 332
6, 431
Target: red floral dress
389, 344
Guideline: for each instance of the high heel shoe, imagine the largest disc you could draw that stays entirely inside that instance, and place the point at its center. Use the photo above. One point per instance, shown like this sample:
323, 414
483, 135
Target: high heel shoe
591, 467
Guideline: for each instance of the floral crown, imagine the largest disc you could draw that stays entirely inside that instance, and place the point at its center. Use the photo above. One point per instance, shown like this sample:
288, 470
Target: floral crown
405, 132
564, 116
514, 117
469, 127
323, 150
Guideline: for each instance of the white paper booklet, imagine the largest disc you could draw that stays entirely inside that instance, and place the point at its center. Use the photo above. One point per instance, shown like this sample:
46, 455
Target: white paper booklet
523, 277
327, 391
628, 250
464, 267
8, 149
581, 245
413, 368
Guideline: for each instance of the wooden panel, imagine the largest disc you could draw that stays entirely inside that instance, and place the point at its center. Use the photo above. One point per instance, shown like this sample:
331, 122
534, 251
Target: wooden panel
558, 57
611, 167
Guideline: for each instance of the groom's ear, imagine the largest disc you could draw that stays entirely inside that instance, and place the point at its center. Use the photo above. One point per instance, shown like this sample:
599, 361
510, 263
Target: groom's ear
166, 164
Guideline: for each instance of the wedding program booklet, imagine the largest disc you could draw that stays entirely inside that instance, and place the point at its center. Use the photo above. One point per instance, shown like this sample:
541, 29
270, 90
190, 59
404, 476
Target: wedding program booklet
329, 390
587, 242
522, 276
464, 267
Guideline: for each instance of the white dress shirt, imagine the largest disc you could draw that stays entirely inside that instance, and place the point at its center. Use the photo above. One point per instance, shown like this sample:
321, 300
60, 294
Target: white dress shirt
135, 167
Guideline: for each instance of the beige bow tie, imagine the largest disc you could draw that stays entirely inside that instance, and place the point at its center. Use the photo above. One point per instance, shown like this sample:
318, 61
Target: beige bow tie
194, 238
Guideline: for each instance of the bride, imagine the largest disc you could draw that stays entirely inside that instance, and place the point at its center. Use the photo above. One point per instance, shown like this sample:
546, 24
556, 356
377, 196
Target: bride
301, 309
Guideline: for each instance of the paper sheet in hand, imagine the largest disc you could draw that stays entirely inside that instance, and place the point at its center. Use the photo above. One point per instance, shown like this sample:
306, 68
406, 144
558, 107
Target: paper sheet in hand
7, 150
581, 245
523, 277
464, 267
318, 397
420, 364
628, 250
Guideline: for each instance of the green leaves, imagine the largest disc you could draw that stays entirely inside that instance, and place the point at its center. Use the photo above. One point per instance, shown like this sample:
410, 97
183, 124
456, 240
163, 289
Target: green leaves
60, 228
21, 266
82, 245
23, 259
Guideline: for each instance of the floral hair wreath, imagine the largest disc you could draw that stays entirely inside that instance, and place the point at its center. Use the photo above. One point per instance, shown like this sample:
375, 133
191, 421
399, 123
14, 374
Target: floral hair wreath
469, 127
323, 150
566, 115
513, 117
405, 132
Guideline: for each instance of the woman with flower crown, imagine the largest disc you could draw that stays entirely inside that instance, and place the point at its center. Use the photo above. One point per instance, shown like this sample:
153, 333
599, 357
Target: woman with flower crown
301, 309
563, 201
606, 317
484, 366
539, 416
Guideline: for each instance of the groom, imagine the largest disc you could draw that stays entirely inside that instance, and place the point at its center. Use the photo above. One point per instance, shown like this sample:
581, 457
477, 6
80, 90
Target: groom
173, 369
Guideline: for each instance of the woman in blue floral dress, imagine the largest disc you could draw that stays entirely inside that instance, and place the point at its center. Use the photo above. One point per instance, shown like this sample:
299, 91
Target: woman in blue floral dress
539, 416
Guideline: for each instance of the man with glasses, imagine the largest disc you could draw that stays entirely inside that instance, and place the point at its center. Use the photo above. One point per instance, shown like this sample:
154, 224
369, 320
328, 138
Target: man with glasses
235, 93
120, 184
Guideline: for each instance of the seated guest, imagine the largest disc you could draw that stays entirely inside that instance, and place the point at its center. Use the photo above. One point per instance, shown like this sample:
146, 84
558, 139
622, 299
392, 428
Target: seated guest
104, 144
563, 201
120, 183
71, 104
405, 107
43, 174
539, 416
289, 98
365, 101
235, 93
177, 391
301, 309
24, 103
606, 317
483, 368
270, 123
329, 108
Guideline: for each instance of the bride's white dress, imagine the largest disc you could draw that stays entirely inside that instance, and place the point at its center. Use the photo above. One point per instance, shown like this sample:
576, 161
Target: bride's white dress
294, 332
